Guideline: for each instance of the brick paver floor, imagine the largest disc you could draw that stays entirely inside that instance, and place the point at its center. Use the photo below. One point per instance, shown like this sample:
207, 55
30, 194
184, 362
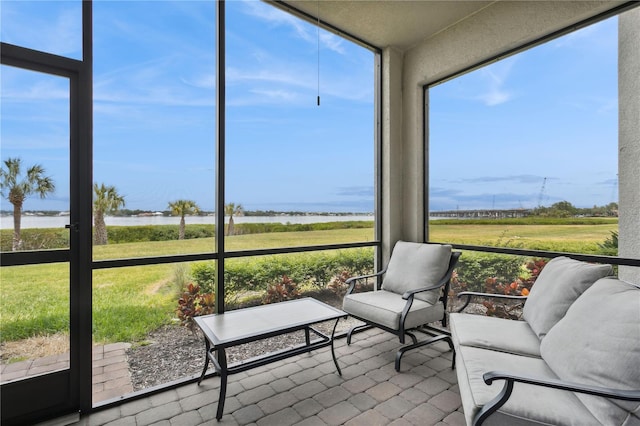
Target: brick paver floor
306, 390
110, 370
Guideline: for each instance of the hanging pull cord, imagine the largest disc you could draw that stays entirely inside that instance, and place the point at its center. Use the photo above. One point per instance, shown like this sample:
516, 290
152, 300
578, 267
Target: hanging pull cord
318, 16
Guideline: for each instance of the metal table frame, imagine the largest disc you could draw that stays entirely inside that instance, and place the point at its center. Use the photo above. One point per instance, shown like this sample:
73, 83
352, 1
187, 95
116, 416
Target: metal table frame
213, 327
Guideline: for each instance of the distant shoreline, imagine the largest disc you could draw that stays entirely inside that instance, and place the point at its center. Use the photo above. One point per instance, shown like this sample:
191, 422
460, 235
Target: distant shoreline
42, 221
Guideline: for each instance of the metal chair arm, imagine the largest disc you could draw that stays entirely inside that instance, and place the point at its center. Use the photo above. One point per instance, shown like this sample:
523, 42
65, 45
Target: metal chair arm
351, 282
495, 404
470, 294
441, 283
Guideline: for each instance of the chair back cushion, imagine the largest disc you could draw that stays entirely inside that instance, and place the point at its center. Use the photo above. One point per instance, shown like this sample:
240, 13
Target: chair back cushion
597, 343
416, 265
559, 284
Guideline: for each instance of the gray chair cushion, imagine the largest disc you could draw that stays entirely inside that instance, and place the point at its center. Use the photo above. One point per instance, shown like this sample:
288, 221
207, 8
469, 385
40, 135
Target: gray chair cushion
415, 265
498, 334
598, 343
385, 308
528, 404
559, 284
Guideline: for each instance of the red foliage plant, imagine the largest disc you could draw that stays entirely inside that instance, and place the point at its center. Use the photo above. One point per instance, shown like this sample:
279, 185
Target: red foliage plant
338, 283
192, 303
286, 289
521, 286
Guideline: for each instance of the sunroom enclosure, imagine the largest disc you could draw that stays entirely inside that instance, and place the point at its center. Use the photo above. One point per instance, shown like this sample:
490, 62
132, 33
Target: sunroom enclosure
398, 156
169, 97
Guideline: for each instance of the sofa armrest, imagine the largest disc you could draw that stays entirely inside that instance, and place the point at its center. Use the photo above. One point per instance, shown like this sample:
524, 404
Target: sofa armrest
351, 282
470, 294
493, 405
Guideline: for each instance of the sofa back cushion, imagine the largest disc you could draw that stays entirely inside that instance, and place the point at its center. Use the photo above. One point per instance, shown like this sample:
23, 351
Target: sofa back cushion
597, 343
559, 284
416, 265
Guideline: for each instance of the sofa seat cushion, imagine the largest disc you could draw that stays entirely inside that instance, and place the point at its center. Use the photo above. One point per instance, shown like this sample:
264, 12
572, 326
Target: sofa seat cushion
559, 284
385, 308
417, 265
494, 333
597, 343
528, 404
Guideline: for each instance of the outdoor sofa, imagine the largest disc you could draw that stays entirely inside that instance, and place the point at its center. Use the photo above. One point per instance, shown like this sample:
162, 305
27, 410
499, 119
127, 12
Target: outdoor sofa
574, 359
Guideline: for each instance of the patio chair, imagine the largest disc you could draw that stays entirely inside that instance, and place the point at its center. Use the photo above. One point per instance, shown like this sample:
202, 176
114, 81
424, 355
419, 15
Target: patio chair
414, 294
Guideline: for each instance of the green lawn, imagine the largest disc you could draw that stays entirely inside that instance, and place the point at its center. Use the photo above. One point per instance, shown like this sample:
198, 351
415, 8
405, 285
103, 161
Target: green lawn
130, 302
566, 238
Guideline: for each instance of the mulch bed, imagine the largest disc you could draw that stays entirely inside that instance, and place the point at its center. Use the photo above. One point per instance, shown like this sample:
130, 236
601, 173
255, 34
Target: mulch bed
173, 352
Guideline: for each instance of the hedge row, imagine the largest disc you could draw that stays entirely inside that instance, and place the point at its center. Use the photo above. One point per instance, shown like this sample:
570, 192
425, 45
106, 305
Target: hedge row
312, 269
36, 239
137, 234
54, 238
260, 228
474, 268
317, 269
531, 220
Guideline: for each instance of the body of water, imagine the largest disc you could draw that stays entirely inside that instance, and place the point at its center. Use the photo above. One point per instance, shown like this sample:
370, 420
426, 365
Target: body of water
6, 222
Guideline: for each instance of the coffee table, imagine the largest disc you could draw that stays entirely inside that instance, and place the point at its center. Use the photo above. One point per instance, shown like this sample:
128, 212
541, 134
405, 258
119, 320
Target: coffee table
246, 325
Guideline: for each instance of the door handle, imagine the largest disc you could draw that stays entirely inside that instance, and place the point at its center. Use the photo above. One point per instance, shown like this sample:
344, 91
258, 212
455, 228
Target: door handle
73, 226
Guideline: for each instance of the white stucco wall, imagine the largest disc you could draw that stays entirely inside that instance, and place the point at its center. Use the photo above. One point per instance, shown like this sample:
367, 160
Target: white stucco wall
629, 141
392, 172
494, 30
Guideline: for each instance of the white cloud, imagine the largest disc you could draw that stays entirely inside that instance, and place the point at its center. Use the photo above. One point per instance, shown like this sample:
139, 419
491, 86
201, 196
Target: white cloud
59, 31
156, 82
495, 97
303, 30
281, 83
332, 42
496, 76
278, 95
274, 75
203, 81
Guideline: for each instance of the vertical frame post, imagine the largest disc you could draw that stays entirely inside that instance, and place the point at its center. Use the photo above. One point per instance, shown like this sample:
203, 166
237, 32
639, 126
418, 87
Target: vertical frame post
220, 151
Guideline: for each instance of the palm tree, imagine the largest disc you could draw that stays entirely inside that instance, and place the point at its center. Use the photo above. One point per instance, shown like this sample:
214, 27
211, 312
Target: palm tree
107, 200
230, 210
182, 208
19, 187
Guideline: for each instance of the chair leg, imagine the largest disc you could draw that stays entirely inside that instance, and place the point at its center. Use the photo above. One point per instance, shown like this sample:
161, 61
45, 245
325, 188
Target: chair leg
414, 339
404, 349
353, 329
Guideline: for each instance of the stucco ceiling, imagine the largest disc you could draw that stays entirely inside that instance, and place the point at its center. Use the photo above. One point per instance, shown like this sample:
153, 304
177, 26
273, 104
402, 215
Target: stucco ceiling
398, 23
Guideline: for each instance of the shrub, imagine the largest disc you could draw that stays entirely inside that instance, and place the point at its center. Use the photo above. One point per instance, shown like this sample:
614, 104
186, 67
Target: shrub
610, 246
338, 284
501, 278
36, 239
261, 228
306, 269
474, 268
135, 234
286, 289
204, 274
521, 286
193, 303
181, 275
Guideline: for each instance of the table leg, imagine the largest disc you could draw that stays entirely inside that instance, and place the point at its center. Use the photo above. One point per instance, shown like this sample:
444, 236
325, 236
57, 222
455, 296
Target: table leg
333, 352
222, 360
206, 359
307, 337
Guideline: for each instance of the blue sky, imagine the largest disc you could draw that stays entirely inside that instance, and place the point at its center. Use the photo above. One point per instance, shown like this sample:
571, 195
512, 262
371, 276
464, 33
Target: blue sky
550, 112
496, 134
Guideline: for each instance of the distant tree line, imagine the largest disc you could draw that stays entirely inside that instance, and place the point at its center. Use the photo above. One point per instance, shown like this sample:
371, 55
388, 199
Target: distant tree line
566, 209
